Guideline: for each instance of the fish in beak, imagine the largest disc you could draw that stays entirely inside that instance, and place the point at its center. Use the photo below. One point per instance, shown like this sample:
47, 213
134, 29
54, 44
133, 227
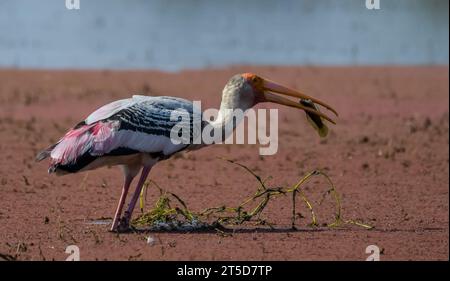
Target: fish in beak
315, 120
306, 103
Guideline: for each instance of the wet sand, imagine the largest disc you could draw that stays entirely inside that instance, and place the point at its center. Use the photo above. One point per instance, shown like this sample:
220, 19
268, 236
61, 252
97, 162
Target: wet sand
388, 157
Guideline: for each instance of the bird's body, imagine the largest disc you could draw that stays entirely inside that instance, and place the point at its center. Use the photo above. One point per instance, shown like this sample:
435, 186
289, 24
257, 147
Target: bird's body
124, 132
136, 133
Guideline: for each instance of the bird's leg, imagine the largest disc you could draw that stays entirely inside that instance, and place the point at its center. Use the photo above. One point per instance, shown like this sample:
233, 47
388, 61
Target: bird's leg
126, 186
125, 220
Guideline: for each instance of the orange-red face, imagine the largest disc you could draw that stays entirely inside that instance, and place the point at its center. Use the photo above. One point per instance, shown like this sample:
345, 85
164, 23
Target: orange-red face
265, 90
257, 84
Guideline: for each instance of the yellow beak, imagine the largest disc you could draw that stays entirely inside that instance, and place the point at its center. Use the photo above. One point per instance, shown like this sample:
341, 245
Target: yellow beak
271, 87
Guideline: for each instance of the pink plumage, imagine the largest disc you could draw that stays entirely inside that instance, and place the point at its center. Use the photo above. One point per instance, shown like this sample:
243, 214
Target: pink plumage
97, 138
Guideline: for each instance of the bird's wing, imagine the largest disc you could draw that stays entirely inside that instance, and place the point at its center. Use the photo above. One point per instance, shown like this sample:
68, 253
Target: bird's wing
138, 124
146, 125
108, 110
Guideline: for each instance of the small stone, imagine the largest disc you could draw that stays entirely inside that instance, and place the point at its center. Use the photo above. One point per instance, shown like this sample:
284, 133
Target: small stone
406, 164
427, 123
364, 139
151, 241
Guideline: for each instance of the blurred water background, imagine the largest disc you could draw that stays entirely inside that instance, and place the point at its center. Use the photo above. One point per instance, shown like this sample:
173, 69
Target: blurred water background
173, 35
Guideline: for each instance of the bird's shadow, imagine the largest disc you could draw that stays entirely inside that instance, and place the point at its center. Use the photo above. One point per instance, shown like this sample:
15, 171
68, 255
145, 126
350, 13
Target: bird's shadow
229, 231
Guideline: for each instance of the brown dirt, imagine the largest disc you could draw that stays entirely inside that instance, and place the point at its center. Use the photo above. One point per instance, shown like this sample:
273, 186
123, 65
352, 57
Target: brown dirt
388, 156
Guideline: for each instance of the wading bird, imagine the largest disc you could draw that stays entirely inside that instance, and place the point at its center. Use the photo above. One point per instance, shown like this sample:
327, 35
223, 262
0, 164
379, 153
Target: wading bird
135, 132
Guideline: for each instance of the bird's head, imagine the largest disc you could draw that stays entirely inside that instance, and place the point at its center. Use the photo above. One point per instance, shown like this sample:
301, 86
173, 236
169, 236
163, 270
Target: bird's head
247, 89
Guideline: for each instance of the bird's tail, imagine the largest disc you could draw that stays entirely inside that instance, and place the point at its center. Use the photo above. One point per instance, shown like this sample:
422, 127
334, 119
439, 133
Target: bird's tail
45, 153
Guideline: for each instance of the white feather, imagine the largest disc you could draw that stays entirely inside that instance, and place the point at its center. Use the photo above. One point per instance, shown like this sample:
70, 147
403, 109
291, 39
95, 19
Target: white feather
139, 141
112, 108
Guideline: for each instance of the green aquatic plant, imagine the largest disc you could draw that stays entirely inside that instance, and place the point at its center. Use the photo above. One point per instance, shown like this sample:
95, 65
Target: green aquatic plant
164, 216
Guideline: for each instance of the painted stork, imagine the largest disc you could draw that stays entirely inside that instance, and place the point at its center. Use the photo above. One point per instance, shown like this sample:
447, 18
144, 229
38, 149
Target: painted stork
135, 132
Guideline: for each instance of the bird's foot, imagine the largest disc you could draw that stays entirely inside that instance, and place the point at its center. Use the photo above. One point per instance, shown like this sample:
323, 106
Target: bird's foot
124, 225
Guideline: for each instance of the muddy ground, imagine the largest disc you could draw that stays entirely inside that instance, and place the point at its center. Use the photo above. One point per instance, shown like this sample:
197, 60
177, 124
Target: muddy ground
388, 156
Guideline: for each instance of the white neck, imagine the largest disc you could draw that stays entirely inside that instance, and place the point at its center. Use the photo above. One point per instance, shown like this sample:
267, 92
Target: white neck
231, 109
